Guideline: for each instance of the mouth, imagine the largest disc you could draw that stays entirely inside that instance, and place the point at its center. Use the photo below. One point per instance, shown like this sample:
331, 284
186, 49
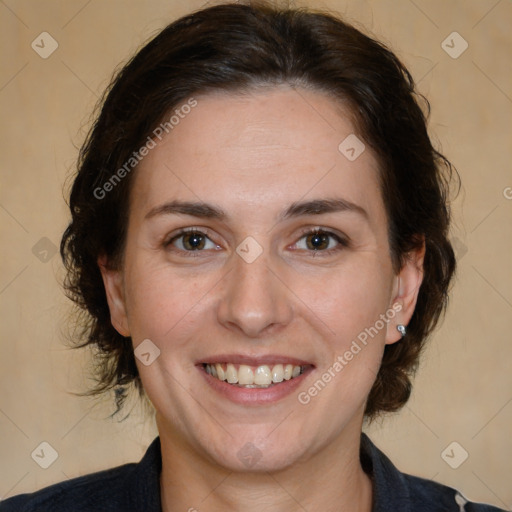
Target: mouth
254, 381
250, 377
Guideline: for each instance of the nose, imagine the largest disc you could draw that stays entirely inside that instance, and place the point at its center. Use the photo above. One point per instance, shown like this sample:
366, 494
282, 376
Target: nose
255, 300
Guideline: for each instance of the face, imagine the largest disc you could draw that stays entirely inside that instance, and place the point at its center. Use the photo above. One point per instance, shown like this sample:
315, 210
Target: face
257, 248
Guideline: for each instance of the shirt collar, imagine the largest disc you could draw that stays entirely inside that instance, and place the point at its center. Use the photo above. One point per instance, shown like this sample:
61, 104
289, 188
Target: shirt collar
390, 489
144, 485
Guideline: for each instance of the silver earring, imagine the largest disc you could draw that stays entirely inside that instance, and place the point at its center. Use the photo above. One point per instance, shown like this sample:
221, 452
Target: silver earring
401, 329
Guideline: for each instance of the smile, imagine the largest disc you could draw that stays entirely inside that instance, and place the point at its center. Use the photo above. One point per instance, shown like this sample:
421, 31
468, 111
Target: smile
246, 376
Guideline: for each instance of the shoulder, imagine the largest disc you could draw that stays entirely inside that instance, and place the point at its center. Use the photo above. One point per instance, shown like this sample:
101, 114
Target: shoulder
122, 488
394, 490
82, 493
427, 495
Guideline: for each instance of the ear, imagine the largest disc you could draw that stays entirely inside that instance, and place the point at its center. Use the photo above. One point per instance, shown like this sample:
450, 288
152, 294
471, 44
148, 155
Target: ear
405, 292
114, 289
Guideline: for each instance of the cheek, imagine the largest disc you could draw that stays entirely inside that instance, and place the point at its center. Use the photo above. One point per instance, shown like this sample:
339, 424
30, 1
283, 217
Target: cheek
161, 300
350, 304
350, 298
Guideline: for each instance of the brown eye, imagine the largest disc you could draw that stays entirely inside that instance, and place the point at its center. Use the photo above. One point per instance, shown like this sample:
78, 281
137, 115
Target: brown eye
191, 240
194, 241
320, 241
317, 241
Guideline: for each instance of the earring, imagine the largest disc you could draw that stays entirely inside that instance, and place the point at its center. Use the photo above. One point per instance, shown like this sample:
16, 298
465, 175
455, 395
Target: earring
401, 329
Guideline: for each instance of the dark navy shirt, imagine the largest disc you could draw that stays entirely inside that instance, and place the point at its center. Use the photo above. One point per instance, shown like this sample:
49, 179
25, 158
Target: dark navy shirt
136, 487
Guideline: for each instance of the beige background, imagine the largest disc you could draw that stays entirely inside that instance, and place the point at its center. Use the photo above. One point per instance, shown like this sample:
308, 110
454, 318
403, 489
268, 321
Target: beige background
463, 391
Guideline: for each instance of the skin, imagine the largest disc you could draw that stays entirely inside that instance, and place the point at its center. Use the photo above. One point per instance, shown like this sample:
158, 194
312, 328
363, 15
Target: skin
253, 155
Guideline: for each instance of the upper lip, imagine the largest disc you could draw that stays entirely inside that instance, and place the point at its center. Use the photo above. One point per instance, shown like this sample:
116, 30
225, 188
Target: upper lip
266, 359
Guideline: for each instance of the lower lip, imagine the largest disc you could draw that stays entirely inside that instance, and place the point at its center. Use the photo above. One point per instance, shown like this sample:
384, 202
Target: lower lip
255, 396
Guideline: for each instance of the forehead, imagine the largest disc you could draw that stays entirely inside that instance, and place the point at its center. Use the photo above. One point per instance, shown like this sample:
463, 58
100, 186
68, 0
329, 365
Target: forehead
262, 149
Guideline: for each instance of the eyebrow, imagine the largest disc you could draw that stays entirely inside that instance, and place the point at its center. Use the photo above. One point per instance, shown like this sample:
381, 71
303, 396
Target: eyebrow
296, 209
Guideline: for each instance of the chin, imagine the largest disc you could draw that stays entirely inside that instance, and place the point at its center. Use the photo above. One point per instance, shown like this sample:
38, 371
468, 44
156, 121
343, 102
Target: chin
258, 453
250, 459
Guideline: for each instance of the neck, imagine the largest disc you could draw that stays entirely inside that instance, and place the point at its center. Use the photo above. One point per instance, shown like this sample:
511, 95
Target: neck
331, 480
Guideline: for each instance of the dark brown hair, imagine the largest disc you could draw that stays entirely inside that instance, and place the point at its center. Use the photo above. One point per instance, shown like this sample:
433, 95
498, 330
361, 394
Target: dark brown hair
235, 48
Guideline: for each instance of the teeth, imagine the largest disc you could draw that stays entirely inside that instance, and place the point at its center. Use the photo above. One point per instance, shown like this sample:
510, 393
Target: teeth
262, 376
245, 375
278, 373
231, 373
221, 374
250, 377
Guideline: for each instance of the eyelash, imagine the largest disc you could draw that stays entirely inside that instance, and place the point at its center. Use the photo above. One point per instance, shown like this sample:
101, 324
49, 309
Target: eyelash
341, 241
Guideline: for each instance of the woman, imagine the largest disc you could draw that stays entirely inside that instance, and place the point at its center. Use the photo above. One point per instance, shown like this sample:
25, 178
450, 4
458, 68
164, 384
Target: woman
259, 235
